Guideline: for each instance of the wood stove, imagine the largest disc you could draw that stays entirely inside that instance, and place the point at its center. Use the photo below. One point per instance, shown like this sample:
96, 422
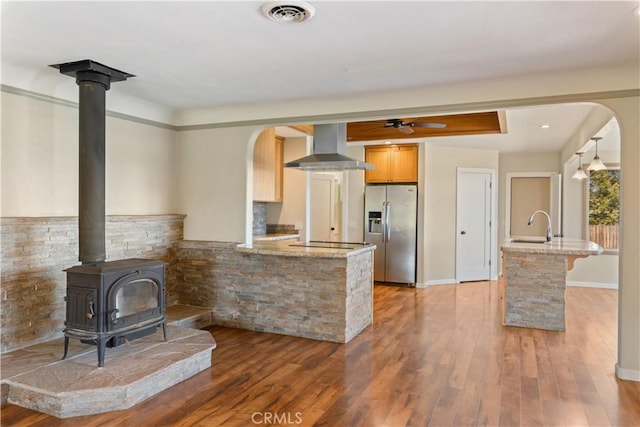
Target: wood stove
109, 303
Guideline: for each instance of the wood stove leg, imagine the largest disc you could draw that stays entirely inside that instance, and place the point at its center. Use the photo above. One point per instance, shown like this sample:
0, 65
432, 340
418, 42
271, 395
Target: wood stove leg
66, 347
101, 344
164, 330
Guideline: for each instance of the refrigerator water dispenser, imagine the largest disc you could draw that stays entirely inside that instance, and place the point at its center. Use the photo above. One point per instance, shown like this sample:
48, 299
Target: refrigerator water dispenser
375, 222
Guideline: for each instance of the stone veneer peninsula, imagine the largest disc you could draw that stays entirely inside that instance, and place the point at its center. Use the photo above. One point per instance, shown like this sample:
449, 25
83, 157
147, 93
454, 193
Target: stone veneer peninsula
271, 286
535, 280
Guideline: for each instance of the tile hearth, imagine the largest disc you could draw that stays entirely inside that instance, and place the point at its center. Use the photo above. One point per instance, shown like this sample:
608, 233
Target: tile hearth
36, 378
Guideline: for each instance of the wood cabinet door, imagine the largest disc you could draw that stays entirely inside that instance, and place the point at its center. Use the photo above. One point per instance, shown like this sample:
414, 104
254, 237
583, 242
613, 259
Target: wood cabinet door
380, 157
278, 170
404, 163
267, 167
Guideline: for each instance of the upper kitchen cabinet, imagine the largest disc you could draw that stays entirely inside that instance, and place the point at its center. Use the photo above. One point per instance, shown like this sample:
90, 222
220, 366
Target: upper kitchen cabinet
393, 163
268, 167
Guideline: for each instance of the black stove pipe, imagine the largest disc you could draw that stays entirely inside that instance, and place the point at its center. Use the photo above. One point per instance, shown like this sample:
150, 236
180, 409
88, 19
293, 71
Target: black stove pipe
91, 163
94, 81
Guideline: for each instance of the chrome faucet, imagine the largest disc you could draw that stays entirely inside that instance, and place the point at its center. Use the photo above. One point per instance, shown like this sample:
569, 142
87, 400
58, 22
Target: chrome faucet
549, 233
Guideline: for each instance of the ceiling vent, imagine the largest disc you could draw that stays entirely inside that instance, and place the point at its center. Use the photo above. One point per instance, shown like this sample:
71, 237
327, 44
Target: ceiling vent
288, 11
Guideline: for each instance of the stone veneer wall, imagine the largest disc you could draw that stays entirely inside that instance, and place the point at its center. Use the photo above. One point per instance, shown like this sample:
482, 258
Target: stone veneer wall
35, 251
299, 296
535, 290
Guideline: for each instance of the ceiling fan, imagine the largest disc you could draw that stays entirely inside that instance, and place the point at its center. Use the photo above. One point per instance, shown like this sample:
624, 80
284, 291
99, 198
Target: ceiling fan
407, 128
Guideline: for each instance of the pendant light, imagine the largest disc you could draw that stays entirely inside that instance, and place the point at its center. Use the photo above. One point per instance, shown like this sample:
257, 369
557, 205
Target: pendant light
579, 174
596, 164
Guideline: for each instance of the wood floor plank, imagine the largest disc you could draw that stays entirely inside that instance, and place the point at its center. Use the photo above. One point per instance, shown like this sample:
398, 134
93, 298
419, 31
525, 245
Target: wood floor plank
434, 356
529, 366
490, 399
510, 393
530, 405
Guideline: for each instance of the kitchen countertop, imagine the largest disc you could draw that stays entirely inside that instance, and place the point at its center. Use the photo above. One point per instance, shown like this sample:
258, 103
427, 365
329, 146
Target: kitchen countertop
273, 237
558, 246
284, 248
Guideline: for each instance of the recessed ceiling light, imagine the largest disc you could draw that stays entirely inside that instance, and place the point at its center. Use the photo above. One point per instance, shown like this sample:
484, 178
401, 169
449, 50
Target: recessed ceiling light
545, 126
291, 11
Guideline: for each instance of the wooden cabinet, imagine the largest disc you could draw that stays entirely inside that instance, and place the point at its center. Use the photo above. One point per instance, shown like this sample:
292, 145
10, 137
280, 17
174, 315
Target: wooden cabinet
393, 163
268, 154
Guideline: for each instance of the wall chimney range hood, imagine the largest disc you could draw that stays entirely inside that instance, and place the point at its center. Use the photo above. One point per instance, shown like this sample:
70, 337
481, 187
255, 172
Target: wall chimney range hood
329, 142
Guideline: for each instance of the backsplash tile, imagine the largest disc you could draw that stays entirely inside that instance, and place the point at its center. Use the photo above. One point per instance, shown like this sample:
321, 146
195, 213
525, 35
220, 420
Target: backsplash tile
259, 218
281, 229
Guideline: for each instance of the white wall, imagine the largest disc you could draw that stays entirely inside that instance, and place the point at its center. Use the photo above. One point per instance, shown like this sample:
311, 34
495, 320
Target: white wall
521, 163
573, 202
354, 197
292, 209
141, 169
440, 177
595, 271
215, 188
40, 162
627, 111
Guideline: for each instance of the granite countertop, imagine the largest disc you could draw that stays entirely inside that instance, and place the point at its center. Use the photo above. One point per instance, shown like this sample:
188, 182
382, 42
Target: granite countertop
558, 246
275, 236
284, 248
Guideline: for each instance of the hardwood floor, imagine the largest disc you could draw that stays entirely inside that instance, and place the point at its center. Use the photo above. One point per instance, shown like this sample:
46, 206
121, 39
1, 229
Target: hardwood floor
433, 357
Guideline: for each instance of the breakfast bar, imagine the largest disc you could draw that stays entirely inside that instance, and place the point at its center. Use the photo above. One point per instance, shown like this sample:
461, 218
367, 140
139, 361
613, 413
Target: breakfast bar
534, 282
310, 290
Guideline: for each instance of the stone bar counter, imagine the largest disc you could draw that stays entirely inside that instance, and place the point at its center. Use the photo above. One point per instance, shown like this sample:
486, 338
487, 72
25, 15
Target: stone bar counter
271, 286
312, 292
535, 280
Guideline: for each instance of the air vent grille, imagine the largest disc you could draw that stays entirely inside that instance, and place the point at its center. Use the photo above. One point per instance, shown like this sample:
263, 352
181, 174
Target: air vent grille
288, 12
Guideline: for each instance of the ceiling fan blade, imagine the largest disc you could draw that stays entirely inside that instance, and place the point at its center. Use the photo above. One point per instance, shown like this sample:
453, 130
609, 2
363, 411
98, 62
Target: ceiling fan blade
406, 129
430, 125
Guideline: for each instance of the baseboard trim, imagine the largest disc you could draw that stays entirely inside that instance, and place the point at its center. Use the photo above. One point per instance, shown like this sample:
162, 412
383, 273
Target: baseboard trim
593, 285
436, 283
627, 374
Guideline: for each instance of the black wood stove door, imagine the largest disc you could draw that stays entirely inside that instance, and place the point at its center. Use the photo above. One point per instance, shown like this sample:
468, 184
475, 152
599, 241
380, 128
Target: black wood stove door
134, 298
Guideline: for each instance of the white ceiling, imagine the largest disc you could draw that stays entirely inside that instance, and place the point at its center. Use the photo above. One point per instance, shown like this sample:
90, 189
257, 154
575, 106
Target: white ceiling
193, 55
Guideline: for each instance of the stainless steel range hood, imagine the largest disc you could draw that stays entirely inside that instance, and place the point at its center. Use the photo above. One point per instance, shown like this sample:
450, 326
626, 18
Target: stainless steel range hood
329, 142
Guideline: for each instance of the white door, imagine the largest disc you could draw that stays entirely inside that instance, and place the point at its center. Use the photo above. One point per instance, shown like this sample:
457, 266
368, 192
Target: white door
473, 242
322, 208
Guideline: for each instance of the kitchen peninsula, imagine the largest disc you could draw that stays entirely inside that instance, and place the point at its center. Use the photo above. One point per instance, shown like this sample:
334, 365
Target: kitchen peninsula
535, 280
282, 286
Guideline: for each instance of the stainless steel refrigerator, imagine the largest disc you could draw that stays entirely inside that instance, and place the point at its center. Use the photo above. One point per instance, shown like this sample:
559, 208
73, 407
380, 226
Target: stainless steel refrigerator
391, 224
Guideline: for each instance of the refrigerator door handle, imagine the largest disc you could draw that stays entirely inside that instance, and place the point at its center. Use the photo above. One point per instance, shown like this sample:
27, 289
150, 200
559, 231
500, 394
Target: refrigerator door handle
384, 222
387, 221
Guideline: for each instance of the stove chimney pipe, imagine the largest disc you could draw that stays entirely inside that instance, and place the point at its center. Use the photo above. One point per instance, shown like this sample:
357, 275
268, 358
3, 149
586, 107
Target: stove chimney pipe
94, 80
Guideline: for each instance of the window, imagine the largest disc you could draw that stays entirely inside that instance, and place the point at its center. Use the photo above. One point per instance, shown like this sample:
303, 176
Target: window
604, 207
